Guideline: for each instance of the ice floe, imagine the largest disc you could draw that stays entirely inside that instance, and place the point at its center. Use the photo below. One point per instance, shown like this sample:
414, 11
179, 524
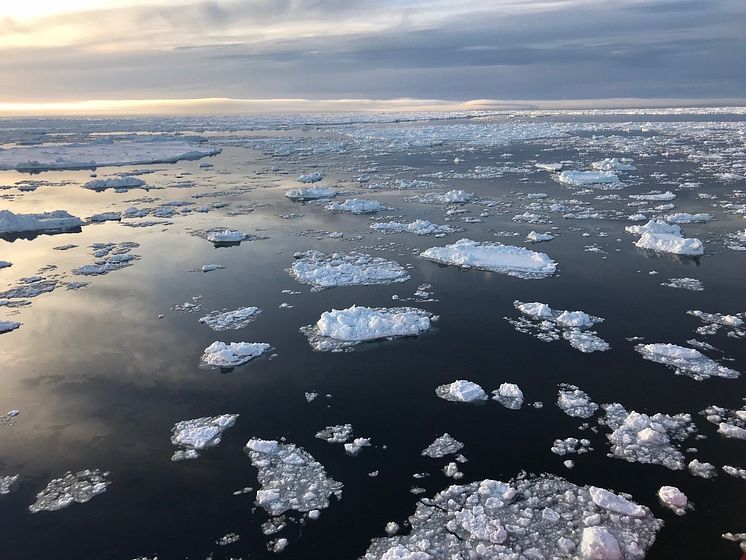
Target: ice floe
571, 445
614, 164
655, 226
730, 423
509, 395
461, 390
109, 257
311, 193
442, 446
339, 433
196, 435
226, 237
313, 177
233, 354
733, 324
589, 178
685, 361
536, 237
114, 183
575, 402
6, 482
418, 227
534, 517
654, 196
674, 499
7, 326
55, 221
691, 284
355, 206
667, 243
291, 478
342, 329
686, 218
326, 270
701, 469
493, 257
230, 320
79, 487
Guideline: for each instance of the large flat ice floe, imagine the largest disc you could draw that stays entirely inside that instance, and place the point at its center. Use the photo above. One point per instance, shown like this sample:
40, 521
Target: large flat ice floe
493, 257
55, 221
71, 488
125, 182
533, 517
342, 329
326, 270
196, 435
230, 320
355, 206
547, 324
88, 156
685, 361
587, 178
291, 478
233, 354
418, 227
310, 193
640, 438
657, 235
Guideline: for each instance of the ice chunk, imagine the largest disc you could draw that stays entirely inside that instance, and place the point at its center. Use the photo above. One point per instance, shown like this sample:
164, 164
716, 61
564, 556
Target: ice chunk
655, 226
691, 284
226, 236
613, 502
340, 329
7, 326
461, 391
493, 257
6, 482
339, 433
71, 488
667, 243
198, 434
313, 177
575, 402
222, 355
230, 320
614, 164
702, 470
654, 196
599, 544
686, 218
291, 478
549, 166
685, 361
418, 227
355, 206
442, 446
674, 499
326, 270
536, 237
114, 183
356, 445
55, 221
311, 193
105, 217
509, 395
585, 178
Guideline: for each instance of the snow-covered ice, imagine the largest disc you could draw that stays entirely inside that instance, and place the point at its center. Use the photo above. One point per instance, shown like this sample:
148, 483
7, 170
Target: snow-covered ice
326, 270
233, 354
418, 227
339, 433
55, 221
442, 446
461, 390
196, 435
614, 164
588, 178
667, 243
691, 284
114, 183
355, 206
575, 402
536, 237
230, 320
79, 487
674, 499
509, 395
685, 361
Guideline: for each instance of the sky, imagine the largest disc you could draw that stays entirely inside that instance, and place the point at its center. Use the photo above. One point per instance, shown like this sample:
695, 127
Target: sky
404, 53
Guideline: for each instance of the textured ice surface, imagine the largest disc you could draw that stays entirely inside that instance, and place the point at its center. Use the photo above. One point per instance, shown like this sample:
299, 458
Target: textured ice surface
493, 257
731, 423
103, 154
685, 361
229, 320
450, 197
227, 236
114, 183
340, 329
674, 499
442, 446
654, 226
461, 390
734, 471
575, 402
105, 217
291, 478
639, 438
654, 196
585, 178
109, 257
537, 237
195, 435
667, 243
222, 355
418, 227
570, 446
6, 482
614, 164
55, 221
326, 270
310, 193
686, 218
524, 518
313, 177
691, 284
356, 445
339, 433
71, 488
732, 324
509, 395
7, 326
702, 470
355, 206
547, 324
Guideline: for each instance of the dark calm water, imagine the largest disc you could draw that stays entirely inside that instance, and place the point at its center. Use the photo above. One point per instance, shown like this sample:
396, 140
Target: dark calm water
100, 380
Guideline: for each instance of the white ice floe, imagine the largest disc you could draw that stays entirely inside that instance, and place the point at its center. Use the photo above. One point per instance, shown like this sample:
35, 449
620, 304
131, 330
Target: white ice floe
326, 270
227, 236
685, 361
313, 177
546, 324
674, 499
686, 218
105, 217
100, 154
196, 435
211, 267
574, 402
355, 206
108, 258
588, 178
570, 446
509, 395
731, 423
640, 438
734, 471
536, 237
549, 166
7, 326
655, 226
614, 164
339, 433
733, 324
442, 446
342, 329
230, 320
536, 517
654, 196
356, 445
55, 221
493, 257
702, 470
114, 183
450, 197
311, 193
291, 478
418, 227
79, 487
666, 243
222, 355
6, 482
691, 284
461, 390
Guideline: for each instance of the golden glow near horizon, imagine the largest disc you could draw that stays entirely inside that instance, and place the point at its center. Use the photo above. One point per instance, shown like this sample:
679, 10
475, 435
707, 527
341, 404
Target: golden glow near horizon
38, 9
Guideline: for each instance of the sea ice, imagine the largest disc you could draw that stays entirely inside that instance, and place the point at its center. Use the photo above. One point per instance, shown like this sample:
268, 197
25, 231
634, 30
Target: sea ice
355, 206
6, 482
114, 183
418, 227
574, 402
654, 196
493, 257
442, 446
655, 226
674, 499
585, 178
509, 395
537, 237
667, 243
691, 284
55, 221
340, 329
313, 177
7, 326
733, 324
233, 354
71, 488
326, 270
730, 423
685, 218
226, 236
196, 435
339, 433
230, 320
685, 361
461, 391
702, 470
614, 164
310, 193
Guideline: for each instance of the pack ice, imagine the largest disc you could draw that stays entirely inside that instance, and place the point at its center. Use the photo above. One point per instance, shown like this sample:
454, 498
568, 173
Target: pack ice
418, 227
586, 178
493, 257
79, 487
326, 270
196, 435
